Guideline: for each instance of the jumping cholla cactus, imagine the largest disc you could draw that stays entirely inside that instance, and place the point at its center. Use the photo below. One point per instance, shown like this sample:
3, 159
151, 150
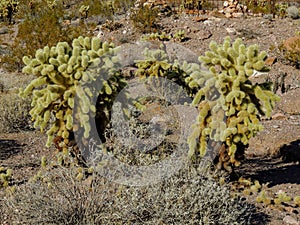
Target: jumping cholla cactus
74, 85
158, 64
83, 10
230, 105
7, 8
5, 176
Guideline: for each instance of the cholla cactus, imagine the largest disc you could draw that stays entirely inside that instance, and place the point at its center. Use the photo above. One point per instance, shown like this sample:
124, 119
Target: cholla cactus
5, 176
230, 106
7, 8
180, 36
84, 9
66, 73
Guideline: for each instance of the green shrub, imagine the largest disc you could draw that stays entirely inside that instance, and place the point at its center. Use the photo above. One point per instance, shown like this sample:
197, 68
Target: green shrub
108, 9
42, 25
14, 113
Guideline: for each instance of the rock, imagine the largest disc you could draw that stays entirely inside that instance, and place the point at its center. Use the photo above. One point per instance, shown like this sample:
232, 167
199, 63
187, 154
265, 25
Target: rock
278, 116
208, 22
200, 18
231, 31
293, 12
270, 61
228, 15
204, 34
290, 220
229, 10
4, 30
237, 15
232, 8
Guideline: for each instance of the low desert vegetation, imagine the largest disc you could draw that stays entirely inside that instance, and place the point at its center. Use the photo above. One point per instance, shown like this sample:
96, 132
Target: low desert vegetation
65, 57
59, 196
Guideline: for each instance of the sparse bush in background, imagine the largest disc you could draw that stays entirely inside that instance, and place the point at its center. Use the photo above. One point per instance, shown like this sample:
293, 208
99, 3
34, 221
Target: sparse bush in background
107, 8
290, 50
260, 6
292, 12
14, 113
59, 196
145, 19
42, 25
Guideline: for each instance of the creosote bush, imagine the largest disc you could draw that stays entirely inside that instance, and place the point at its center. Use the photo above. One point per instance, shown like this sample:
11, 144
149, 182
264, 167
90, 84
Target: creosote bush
42, 25
290, 50
145, 19
60, 196
14, 113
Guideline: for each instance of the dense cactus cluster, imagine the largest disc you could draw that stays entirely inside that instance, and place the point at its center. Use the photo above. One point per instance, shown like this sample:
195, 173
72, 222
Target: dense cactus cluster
230, 105
157, 63
64, 72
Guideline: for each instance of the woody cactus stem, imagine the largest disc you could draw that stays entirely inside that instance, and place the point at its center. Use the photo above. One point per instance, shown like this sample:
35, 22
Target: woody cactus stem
64, 72
230, 106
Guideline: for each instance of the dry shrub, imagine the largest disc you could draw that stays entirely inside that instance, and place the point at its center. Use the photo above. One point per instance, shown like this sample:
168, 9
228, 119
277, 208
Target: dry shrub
58, 197
14, 113
290, 49
145, 19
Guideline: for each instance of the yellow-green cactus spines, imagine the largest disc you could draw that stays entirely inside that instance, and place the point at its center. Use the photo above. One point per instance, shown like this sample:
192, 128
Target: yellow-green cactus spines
64, 72
225, 89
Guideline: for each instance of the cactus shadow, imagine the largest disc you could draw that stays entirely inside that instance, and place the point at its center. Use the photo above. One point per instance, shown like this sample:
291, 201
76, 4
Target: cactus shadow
290, 152
281, 169
9, 148
259, 218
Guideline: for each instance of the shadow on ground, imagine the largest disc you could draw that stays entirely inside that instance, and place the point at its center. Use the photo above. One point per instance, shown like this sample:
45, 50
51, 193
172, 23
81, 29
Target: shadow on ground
282, 169
9, 148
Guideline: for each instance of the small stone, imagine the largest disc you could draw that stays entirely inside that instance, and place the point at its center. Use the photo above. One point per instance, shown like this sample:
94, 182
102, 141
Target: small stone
231, 30
204, 34
228, 15
290, 220
237, 15
278, 116
229, 10
208, 22
4, 30
226, 3
270, 61
200, 18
